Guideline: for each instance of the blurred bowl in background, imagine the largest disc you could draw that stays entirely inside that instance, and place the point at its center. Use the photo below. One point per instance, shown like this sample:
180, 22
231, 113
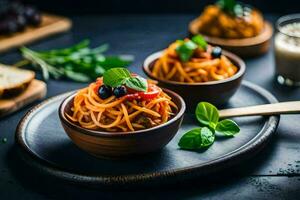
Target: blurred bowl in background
215, 92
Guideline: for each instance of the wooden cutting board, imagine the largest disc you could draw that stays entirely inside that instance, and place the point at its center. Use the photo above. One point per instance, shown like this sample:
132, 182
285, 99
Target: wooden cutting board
35, 91
51, 24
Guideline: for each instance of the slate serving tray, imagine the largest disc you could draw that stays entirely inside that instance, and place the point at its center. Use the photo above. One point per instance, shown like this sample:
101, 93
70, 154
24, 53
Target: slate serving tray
44, 145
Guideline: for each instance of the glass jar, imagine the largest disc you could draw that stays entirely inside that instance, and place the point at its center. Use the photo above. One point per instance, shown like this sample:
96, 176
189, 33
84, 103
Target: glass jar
287, 50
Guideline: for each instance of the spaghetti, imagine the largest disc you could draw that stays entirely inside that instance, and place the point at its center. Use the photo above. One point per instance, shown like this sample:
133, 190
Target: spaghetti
201, 67
134, 111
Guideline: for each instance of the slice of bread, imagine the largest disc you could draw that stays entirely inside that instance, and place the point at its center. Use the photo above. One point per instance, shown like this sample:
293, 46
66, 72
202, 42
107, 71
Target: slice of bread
13, 81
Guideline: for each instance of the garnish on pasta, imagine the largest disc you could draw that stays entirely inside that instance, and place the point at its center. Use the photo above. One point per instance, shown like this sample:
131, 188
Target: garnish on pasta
230, 19
192, 61
121, 101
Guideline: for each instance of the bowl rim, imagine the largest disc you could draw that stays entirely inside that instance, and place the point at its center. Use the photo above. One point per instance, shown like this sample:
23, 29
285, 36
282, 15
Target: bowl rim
233, 57
287, 19
97, 133
265, 35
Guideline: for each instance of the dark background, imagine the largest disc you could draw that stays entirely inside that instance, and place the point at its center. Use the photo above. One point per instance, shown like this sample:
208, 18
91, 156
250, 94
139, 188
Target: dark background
68, 7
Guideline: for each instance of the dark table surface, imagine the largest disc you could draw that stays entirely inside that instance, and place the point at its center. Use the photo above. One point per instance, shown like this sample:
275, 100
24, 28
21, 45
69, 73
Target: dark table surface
273, 174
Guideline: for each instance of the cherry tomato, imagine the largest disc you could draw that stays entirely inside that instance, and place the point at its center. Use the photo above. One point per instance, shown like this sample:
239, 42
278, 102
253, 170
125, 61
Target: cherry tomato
153, 91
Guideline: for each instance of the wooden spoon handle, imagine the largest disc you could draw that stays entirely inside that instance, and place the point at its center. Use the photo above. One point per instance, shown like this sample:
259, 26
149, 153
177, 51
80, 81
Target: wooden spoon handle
292, 107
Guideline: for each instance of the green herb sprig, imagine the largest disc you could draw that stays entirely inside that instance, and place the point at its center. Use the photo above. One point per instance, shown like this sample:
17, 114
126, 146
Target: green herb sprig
203, 137
121, 76
186, 48
231, 7
79, 62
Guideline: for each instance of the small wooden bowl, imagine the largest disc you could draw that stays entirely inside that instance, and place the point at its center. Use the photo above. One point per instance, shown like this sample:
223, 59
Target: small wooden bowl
116, 145
215, 92
248, 47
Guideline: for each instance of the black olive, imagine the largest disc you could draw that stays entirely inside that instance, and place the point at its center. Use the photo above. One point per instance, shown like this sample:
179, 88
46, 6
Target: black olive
33, 16
104, 92
120, 91
21, 22
216, 52
36, 19
29, 11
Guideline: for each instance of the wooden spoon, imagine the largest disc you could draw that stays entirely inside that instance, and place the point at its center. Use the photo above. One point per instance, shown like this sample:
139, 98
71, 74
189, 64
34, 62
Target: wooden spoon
291, 107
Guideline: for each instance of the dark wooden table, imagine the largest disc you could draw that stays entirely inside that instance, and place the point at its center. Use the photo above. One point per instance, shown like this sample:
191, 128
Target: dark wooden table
273, 174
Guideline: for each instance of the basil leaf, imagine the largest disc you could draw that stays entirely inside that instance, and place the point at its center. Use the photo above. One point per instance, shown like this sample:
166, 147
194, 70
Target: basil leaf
116, 76
137, 83
197, 138
231, 7
207, 114
200, 41
191, 140
227, 5
238, 10
186, 50
227, 127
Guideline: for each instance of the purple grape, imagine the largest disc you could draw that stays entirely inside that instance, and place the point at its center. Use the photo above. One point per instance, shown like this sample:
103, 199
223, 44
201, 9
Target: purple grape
21, 22
32, 15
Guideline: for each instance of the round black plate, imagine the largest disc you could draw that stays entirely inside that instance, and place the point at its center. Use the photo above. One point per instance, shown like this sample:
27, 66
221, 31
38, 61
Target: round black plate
45, 145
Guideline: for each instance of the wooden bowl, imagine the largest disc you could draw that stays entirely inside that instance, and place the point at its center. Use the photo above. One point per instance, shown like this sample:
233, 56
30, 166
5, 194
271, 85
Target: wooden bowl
215, 92
248, 47
115, 145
